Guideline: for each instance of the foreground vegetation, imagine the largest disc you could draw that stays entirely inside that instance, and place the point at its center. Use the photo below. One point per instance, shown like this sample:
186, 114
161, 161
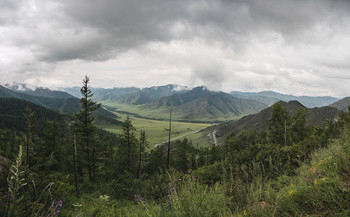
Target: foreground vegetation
70, 168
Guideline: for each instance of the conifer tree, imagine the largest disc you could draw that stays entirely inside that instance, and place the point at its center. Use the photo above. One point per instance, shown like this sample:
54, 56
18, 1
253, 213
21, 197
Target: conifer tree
142, 146
298, 126
129, 145
51, 133
182, 159
30, 134
277, 125
84, 125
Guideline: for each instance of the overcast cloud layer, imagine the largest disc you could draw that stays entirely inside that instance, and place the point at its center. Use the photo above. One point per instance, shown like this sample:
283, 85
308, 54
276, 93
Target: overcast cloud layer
298, 47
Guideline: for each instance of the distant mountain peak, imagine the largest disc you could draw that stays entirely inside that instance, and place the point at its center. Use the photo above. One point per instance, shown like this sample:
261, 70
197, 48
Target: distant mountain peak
200, 88
172, 87
20, 87
37, 91
177, 88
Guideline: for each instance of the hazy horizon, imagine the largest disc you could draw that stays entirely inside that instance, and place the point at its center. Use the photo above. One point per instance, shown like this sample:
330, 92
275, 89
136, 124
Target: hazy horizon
32, 87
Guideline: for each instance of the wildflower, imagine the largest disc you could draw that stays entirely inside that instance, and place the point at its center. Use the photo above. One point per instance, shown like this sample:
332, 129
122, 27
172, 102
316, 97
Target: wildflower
55, 209
138, 198
180, 180
291, 193
173, 189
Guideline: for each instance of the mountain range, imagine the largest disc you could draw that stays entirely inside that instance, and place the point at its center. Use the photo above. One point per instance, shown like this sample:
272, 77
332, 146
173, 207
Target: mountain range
37, 91
270, 97
54, 100
196, 104
202, 104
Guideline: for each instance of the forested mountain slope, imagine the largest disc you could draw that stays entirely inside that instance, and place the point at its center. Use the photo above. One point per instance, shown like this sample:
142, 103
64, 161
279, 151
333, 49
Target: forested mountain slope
62, 105
12, 110
315, 116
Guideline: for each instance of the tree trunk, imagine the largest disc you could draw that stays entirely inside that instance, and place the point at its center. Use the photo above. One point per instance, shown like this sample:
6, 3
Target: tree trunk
93, 163
75, 165
140, 157
168, 163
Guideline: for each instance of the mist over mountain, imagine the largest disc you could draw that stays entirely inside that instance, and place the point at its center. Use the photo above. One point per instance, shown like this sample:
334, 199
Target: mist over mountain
37, 91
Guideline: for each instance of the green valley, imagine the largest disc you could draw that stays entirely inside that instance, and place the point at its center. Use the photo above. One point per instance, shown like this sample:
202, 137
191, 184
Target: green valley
157, 131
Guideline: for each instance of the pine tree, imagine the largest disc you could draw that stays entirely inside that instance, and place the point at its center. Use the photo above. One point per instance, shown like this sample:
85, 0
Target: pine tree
84, 126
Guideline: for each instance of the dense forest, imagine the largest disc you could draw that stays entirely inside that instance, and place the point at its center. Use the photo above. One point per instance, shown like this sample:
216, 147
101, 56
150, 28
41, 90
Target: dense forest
63, 165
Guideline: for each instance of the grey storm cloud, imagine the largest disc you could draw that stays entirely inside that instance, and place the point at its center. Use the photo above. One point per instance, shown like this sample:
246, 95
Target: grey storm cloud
101, 29
210, 42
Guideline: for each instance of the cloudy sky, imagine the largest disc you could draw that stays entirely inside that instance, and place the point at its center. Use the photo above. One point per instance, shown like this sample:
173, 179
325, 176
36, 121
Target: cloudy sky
299, 47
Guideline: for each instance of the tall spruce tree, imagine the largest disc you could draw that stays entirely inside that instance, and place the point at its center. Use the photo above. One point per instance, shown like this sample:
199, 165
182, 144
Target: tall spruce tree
129, 146
51, 137
30, 134
277, 125
143, 144
84, 126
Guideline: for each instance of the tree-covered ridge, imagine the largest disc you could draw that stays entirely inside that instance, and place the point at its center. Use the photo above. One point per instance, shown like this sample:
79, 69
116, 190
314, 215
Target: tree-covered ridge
259, 121
62, 105
71, 168
12, 110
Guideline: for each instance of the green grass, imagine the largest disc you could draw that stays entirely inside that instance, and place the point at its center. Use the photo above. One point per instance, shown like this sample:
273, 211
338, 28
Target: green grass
319, 188
136, 109
186, 198
157, 130
161, 113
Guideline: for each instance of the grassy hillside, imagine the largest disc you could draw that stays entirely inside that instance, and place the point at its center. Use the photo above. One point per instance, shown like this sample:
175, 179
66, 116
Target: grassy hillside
218, 106
200, 104
341, 104
319, 188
